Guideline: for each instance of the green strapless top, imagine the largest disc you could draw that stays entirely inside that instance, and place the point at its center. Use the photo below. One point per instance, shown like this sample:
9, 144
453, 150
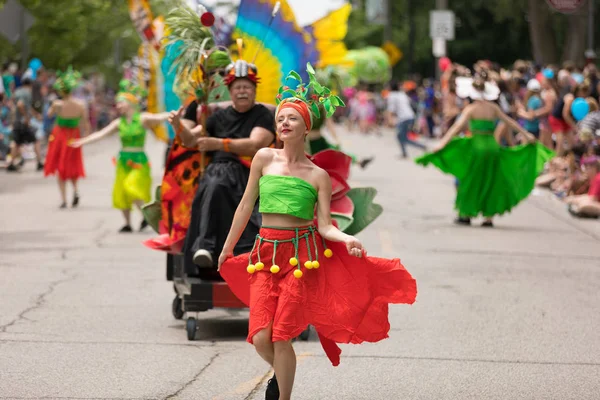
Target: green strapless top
132, 134
482, 126
67, 122
287, 195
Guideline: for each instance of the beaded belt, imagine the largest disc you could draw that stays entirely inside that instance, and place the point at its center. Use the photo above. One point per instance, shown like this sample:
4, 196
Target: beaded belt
294, 261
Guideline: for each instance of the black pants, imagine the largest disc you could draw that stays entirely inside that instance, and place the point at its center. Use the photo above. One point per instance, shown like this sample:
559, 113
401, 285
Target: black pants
219, 193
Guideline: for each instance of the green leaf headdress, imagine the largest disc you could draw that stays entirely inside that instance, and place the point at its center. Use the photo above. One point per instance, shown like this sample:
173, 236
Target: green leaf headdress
130, 92
312, 94
67, 81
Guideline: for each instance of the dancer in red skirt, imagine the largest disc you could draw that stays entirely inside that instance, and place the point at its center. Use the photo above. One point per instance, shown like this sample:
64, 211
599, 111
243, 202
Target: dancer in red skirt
298, 273
71, 115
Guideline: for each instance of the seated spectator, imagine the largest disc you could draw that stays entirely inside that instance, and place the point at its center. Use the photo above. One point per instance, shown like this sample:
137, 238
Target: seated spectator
588, 205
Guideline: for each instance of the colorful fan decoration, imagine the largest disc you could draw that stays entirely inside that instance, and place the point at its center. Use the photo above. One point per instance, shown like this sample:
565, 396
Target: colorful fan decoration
279, 44
328, 34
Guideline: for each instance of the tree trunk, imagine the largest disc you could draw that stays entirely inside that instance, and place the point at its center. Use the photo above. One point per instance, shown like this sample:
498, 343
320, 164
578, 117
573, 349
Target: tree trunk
575, 43
543, 39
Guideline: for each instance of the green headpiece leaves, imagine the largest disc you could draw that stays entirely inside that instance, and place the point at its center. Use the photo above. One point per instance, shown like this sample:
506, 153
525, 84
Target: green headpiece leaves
67, 81
131, 92
312, 94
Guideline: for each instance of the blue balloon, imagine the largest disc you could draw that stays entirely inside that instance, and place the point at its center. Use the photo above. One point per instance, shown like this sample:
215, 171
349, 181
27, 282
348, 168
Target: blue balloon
548, 73
579, 108
35, 64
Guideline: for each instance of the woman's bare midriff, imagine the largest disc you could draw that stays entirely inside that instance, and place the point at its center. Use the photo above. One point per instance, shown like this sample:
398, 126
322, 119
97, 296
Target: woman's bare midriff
284, 221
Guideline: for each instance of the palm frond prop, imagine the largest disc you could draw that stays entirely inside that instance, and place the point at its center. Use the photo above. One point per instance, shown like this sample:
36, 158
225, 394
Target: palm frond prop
199, 59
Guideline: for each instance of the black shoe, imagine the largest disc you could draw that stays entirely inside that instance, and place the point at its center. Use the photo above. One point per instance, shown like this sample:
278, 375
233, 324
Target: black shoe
365, 161
40, 166
203, 258
75, 200
12, 168
487, 224
272, 392
21, 162
126, 229
462, 221
63, 206
143, 225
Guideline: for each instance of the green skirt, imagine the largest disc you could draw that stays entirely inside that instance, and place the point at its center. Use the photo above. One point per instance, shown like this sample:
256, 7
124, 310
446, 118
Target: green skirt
493, 179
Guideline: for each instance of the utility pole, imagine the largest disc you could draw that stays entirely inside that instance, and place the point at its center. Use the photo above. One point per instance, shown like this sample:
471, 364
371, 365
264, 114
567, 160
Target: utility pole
439, 5
23, 38
387, 29
591, 26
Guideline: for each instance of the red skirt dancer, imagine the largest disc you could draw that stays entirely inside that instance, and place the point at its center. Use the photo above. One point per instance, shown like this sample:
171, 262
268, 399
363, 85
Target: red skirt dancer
293, 278
61, 158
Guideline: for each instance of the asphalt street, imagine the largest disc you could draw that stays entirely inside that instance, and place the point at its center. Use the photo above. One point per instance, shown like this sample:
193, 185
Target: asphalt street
505, 313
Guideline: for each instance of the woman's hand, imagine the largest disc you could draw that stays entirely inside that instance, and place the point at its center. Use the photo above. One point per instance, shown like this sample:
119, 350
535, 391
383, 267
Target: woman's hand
354, 247
175, 118
225, 255
77, 143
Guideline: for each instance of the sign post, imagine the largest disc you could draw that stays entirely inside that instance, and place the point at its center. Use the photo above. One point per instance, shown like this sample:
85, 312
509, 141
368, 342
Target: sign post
441, 29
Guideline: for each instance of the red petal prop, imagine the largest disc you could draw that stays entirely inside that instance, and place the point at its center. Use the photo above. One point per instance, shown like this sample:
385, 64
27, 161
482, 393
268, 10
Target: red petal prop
343, 206
339, 186
333, 160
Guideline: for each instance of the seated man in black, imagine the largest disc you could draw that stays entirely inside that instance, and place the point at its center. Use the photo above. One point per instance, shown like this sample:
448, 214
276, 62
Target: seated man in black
239, 130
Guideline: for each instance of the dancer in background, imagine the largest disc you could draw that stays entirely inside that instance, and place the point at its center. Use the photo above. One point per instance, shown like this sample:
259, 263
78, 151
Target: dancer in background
493, 179
71, 119
133, 180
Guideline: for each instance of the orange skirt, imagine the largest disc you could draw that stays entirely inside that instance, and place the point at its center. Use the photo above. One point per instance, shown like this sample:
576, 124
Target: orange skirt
345, 298
61, 159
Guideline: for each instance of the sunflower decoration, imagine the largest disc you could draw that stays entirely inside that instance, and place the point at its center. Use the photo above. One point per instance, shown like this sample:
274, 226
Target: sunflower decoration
68, 80
200, 62
314, 94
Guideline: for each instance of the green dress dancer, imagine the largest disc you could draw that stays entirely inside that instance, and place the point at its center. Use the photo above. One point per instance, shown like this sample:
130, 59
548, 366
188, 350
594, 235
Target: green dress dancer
493, 179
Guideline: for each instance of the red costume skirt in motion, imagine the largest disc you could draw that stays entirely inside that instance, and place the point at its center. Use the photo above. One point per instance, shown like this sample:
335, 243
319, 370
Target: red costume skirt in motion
344, 297
61, 159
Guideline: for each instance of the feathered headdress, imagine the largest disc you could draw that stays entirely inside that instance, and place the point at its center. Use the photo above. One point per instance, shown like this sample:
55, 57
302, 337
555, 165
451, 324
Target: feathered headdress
241, 68
130, 92
312, 94
68, 80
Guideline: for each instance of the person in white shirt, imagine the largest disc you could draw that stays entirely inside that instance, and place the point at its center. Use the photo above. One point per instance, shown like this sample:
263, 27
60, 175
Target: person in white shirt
398, 104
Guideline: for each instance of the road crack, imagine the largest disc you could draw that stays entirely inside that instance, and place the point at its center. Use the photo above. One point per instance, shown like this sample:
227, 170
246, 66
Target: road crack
259, 385
39, 301
194, 378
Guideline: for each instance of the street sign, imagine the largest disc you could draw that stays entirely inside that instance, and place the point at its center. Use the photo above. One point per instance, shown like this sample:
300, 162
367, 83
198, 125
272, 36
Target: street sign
441, 24
565, 6
11, 16
393, 52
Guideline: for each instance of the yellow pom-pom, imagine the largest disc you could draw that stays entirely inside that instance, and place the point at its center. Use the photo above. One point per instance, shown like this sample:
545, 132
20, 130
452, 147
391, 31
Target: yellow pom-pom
293, 261
251, 269
328, 253
298, 274
308, 265
259, 266
274, 269
315, 264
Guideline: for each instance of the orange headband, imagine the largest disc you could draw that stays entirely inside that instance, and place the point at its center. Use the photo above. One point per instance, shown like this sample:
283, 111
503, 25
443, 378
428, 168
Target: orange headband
299, 106
128, 97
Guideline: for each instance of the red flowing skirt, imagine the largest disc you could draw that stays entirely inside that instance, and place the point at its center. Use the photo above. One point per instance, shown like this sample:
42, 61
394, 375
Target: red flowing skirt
346, 299
61, 159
